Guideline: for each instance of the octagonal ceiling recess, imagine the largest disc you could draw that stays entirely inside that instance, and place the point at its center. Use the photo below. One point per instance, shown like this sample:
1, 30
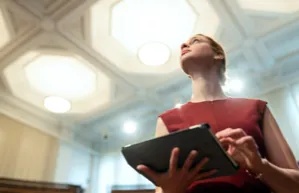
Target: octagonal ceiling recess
121, 31
58, 81
152, 27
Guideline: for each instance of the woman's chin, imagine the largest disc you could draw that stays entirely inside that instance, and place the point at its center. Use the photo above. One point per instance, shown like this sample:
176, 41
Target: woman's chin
185, 58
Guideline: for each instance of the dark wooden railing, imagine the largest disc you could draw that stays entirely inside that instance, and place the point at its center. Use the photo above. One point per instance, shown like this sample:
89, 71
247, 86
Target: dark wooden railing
23, 186
133, 191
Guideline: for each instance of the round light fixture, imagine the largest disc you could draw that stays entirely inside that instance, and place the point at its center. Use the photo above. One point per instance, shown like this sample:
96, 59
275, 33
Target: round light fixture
154, 54
57, 104
129, 127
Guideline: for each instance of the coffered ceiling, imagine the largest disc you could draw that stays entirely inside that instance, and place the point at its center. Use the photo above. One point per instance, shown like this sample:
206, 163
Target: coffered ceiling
79, 69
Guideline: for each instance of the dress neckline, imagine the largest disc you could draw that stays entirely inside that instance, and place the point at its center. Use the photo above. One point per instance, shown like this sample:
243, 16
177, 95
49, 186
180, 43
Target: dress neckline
209, 101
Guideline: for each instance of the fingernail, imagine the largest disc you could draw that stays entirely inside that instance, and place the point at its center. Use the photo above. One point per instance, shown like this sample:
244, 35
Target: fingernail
139, 167
194, 153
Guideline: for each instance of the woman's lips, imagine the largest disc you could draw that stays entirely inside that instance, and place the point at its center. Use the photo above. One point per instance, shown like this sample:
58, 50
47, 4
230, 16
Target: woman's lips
184, 52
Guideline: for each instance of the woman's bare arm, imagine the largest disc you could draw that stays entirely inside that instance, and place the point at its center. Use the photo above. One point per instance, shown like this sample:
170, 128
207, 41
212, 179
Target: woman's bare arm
161, 128
281, 172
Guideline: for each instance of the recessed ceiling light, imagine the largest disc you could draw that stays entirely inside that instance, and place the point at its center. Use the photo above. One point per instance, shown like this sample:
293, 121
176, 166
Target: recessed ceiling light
57, 104
234, 85
129, 127
154, 54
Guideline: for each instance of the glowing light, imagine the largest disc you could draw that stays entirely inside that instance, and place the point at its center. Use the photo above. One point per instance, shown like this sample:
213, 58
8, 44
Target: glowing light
154, 54
233, 85
129, 127
57, 104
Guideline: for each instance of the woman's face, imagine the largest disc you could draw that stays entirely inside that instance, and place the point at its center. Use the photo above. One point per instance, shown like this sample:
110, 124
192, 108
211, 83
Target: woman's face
196, 53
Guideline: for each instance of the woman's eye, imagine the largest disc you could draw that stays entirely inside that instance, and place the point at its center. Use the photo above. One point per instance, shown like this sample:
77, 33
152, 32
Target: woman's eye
195, 41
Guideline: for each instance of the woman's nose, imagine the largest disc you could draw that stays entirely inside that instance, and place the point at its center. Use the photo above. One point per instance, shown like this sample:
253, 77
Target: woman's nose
184, 45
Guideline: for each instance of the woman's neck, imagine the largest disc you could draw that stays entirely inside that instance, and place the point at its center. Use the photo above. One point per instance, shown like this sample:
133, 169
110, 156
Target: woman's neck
206, 89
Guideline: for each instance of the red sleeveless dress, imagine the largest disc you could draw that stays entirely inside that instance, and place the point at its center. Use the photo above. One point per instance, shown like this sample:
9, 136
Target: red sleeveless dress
221, 114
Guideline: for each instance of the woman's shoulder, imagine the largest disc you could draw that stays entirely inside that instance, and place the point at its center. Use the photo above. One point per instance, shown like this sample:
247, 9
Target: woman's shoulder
169, 113
259, 104
175, 111
248, 103
246, 100
173, 117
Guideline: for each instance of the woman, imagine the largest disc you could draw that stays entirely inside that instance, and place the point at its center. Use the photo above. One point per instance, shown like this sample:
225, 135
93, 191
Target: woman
245, 127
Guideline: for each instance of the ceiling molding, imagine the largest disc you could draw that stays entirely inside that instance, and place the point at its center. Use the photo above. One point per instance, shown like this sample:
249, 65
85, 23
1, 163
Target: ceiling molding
18, 48
99, 61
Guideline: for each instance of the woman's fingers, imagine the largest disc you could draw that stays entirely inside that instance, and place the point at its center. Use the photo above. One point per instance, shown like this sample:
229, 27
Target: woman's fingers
245, 150
148, 172
189, 161
247, 142
225, 142
200, 165
205, 174
232, 133
249, 147
229, 145
173, 161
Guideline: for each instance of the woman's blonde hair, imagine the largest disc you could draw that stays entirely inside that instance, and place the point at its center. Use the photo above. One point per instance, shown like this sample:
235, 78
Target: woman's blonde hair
220, 55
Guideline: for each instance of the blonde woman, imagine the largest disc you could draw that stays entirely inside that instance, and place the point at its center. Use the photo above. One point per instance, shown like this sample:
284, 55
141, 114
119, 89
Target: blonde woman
246, 128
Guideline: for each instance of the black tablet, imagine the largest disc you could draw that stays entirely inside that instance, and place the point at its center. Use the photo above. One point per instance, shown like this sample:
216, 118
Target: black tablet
155, 153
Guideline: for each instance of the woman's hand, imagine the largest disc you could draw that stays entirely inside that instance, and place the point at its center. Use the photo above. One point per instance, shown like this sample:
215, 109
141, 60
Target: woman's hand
242, 148
177, 180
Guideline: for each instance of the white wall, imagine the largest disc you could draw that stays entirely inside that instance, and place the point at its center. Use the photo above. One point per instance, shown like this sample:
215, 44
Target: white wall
114, 170
76, 166
283, 103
